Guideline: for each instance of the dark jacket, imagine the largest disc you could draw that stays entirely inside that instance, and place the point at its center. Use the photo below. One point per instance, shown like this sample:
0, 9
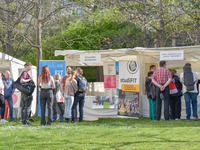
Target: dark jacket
178, 84
150, 89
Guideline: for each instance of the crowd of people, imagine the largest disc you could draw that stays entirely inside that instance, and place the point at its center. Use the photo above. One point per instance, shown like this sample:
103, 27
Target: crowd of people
162, 85
165, 85
60, 98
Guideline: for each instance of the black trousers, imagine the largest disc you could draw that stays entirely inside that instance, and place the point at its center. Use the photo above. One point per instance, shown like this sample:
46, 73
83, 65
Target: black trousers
2, 105
159, 103
175, 107
26, 102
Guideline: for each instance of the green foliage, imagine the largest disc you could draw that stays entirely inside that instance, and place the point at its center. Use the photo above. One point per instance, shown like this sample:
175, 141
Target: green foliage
97, 31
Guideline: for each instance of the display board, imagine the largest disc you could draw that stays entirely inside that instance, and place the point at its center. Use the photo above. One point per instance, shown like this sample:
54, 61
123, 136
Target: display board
129, 88
55, 67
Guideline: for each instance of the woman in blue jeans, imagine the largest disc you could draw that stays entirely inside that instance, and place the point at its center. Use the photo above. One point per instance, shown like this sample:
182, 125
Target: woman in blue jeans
69, 90
46, 81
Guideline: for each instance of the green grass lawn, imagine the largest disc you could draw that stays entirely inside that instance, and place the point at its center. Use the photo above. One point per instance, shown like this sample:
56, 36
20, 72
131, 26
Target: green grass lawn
116, 133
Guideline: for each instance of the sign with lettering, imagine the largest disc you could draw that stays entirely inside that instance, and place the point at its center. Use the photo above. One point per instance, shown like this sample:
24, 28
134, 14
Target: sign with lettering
129, 76
129, 79
171, 55
90, 58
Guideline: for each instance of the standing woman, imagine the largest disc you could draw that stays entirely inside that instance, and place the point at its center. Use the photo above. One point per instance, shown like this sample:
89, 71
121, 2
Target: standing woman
46, 81
2, 100
69, 90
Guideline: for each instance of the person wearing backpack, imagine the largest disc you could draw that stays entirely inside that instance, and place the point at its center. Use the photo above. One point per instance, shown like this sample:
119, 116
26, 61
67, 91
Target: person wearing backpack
189, 81
79, 97
151, 95
175, 98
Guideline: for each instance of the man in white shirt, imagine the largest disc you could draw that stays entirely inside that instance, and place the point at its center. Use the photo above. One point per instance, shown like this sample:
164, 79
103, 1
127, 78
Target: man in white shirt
190, 96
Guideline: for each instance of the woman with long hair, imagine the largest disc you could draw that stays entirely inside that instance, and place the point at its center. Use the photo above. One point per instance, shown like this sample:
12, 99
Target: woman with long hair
46, 82
69, 90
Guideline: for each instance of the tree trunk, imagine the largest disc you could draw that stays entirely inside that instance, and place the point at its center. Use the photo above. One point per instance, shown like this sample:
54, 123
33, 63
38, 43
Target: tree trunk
145, 20
39, 43
162, 24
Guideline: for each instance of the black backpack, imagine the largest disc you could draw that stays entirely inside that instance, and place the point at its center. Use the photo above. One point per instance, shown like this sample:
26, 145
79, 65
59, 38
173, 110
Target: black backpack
82, 84
188, 78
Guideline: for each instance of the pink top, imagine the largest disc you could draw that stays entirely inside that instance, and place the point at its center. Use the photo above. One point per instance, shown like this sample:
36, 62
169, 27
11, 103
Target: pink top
25, 75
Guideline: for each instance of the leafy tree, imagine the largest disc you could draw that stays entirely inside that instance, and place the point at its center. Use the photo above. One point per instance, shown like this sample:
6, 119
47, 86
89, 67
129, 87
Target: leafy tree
97, 31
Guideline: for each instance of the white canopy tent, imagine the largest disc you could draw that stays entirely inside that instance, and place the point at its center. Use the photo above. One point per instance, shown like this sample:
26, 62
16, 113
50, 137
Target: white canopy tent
16, 66
144, 56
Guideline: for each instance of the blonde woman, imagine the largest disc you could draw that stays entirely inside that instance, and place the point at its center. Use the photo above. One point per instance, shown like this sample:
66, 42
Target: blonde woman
69, 90
58, 101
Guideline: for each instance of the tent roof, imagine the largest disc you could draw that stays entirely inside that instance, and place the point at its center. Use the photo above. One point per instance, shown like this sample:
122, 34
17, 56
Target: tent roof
4, 59
191, 53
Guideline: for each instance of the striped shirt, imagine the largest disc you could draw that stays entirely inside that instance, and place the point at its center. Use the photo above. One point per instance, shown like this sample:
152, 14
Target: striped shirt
161, 75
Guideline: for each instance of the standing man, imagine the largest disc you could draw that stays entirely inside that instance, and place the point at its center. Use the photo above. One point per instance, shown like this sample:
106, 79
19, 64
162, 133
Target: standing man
161, 78
8, 92
25, 99
190, 96
79, 97
68, 72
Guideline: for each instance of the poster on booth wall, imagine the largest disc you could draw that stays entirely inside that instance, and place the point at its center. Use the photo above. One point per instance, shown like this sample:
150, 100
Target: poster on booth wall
129, 79
104, 102
110, 83
55, 67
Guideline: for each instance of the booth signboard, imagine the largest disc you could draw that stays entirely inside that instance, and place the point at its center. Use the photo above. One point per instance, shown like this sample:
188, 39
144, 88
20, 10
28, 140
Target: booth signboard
129, 78
90, 58
172, 55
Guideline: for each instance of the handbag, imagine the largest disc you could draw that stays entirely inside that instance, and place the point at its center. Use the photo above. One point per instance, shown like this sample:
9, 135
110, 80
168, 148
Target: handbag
172, 88
59, 97
26, 88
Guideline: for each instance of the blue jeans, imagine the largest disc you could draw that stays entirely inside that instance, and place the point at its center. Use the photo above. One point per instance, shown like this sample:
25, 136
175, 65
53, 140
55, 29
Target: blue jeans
10, 103
190, 97
69, 100
78, 98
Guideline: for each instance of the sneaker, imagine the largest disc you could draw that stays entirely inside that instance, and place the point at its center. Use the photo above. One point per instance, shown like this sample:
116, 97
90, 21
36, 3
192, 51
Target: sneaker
26, 123
31, 120
3, 120
196, 119
177, 119
13, 120
187, 119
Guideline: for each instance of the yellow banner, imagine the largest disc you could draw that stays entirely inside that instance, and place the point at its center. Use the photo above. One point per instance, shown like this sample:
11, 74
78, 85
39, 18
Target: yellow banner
131, 87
